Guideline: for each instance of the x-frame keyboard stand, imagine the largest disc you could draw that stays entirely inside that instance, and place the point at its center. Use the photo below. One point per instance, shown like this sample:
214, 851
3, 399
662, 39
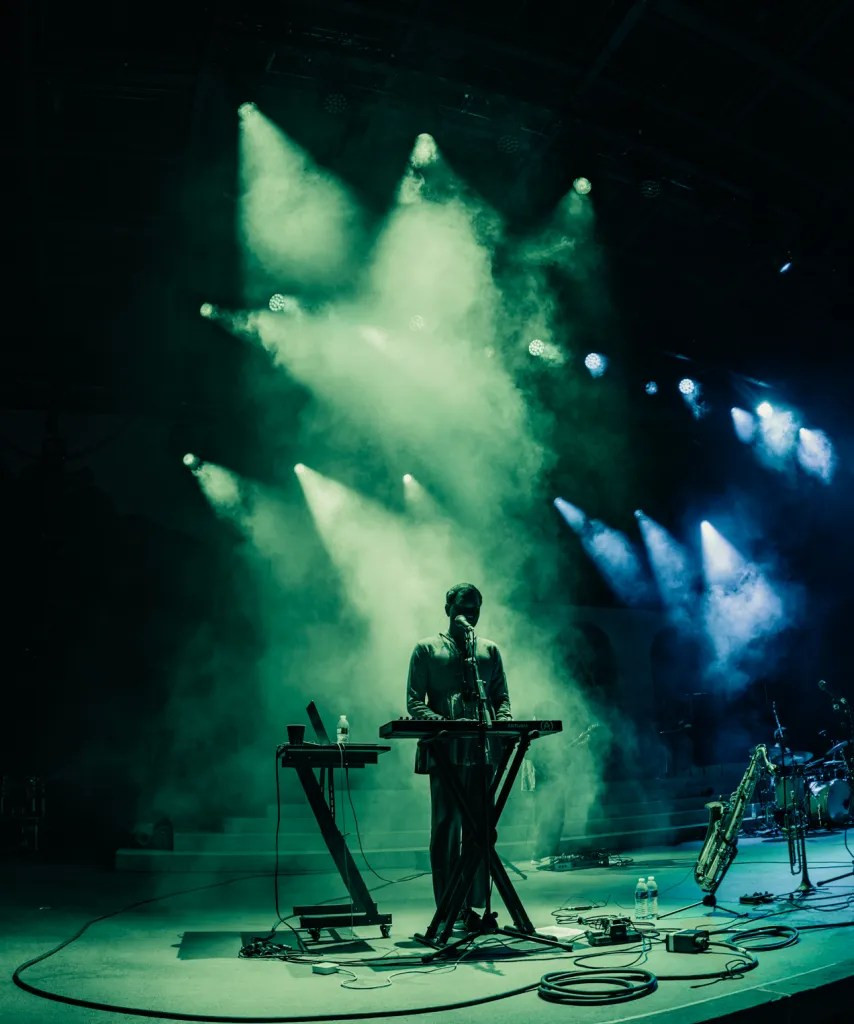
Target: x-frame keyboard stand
482, 849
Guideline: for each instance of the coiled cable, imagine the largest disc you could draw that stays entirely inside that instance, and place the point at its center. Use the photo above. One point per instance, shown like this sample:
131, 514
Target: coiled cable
596, 988
785, 935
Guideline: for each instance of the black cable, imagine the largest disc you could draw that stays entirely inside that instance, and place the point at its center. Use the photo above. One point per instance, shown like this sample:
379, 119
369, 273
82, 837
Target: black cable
791, 909
225, 1019
786, 935
747, 962
72, 1001
570, 987
358, 833
279, 918
829, 924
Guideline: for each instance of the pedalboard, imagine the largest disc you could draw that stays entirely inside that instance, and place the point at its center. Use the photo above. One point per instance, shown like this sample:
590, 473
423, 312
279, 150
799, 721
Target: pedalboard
586, 859
610, 931
690, 940
756, 898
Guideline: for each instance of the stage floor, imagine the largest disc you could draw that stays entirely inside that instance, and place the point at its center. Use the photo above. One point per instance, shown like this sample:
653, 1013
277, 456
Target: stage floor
179, 953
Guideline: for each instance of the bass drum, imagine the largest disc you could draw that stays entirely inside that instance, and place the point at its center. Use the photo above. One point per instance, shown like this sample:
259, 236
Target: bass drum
830, 803
789, 790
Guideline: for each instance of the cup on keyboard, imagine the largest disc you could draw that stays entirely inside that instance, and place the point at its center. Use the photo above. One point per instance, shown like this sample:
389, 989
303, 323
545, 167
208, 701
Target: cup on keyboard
296, 734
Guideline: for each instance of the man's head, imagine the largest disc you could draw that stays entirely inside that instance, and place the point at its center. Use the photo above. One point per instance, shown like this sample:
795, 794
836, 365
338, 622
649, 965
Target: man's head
463, 599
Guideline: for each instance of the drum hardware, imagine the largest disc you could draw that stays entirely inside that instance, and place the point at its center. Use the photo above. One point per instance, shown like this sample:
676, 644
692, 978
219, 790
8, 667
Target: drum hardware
783, 757
829, 802
826, 771
844, 748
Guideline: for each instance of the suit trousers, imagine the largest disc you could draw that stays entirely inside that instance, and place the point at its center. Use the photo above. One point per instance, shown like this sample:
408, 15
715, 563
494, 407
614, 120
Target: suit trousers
449, 839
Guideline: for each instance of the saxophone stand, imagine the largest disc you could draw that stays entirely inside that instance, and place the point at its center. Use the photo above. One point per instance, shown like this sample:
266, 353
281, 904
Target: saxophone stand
709, 900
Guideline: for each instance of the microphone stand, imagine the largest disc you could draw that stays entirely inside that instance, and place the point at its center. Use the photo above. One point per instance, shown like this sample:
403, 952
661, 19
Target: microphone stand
485, 720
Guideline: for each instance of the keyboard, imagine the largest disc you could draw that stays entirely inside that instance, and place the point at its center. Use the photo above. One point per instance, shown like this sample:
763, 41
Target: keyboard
423, 728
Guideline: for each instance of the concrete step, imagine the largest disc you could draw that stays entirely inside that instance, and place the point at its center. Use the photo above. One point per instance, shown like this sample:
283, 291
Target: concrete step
603, 807
291, 862
312, 840
654, 814
318, 860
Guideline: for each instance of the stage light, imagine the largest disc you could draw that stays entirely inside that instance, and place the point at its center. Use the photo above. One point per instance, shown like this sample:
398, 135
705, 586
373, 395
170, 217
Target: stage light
721, 561
299, 468
687, 386
596, 363
778, 433
816, 454
744, 424
284, 304
424, 152
408, 478
785, 268
191, 461
246, 110
336, 103
206, 310
582, 186
537, 347
651, 387
571, 513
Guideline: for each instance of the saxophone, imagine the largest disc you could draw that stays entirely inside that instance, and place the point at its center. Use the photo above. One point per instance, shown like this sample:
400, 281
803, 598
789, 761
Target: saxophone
721, 843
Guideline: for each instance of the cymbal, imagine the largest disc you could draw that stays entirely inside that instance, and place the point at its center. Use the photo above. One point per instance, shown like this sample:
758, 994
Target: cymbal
836, 748
784, 756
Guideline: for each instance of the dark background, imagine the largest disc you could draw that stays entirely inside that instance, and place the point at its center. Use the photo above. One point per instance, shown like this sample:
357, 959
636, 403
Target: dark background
717, 138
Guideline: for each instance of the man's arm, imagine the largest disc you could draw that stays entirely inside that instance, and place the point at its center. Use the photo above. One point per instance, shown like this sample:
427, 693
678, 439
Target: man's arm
416, 687
499, 697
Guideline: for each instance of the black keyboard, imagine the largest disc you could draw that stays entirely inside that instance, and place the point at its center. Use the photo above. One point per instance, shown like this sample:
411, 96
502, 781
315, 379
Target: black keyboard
422, 728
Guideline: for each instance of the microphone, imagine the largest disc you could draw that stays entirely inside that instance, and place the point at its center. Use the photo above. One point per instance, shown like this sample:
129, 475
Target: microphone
461, 620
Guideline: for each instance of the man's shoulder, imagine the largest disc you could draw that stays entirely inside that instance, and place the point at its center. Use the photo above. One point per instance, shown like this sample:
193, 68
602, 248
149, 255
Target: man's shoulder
487, 646
430, 643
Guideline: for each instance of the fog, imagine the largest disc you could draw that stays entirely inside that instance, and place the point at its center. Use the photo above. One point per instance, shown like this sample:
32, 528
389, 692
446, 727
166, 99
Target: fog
409, 342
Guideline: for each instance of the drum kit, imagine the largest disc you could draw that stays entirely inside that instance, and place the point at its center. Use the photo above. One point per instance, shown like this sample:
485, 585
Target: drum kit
817, 788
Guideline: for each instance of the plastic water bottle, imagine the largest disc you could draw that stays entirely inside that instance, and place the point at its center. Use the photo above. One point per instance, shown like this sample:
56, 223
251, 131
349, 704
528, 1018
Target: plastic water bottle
342, 732
652, 897
641, 901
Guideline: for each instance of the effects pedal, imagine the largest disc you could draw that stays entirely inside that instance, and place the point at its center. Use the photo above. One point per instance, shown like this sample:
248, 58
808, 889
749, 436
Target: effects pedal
610, 931
756, 898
